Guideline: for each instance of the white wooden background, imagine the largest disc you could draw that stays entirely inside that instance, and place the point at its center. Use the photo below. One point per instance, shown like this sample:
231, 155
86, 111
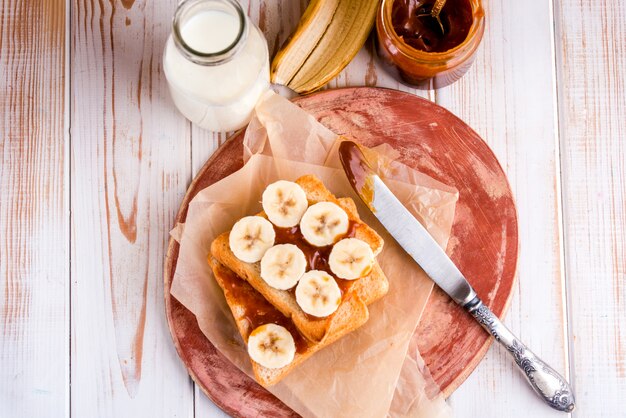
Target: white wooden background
94, 161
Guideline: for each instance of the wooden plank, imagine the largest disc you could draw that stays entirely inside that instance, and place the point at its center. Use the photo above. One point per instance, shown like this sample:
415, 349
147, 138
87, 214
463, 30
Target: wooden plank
205, 408
34, 222
591, 58
508, 97
130, 163
203, 145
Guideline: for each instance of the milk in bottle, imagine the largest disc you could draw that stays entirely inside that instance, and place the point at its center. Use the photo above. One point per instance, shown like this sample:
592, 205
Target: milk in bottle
216, 64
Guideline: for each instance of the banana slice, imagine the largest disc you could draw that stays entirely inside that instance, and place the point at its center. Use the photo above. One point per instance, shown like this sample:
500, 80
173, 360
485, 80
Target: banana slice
318, 294
284, 203
351, 259
323, 223
271, 346
250, 238
282, 266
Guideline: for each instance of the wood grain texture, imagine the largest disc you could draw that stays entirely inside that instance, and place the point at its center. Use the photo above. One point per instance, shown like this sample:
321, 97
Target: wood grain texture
508, 98
34, 222
130, 166
591, 58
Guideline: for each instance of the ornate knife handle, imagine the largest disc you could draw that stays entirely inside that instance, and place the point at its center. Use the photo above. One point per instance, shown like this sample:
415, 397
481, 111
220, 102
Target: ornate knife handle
548, 384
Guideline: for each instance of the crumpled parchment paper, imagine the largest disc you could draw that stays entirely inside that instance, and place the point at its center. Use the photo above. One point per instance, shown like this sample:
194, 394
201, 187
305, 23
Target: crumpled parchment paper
372, 372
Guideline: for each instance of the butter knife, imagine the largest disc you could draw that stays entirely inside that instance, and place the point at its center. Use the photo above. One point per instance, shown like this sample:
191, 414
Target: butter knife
419, 244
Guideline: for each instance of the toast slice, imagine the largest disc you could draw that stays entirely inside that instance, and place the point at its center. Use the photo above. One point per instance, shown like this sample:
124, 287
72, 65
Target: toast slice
250, 310
366, 289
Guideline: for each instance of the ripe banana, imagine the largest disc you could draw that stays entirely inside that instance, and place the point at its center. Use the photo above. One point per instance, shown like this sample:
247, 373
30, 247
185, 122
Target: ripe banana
351, 259
250, 238
282, 266
271, 346
318, 294
323, 224
329, 35
284, 203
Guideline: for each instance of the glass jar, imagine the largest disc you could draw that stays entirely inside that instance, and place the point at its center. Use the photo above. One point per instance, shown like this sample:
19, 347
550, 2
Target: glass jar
427, 70
216, 63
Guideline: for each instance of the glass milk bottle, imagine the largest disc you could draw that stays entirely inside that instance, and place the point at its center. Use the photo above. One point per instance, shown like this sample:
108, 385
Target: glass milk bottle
216, 64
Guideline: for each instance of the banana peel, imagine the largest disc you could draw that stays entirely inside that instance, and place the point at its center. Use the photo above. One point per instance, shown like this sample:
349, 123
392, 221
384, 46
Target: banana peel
302, 41
328, 36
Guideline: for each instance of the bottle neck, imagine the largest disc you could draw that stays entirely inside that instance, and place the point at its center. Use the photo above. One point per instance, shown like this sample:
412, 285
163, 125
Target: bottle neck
188, 9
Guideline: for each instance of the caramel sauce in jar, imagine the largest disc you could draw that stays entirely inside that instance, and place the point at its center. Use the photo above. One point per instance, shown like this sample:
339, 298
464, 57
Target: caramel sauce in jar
412, 21
411, 42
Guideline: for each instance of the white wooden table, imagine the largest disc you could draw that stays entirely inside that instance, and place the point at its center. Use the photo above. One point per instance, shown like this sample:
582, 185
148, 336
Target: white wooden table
94, 161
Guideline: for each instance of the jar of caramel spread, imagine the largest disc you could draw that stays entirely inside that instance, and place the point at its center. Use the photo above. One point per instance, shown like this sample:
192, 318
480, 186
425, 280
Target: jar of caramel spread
424, 51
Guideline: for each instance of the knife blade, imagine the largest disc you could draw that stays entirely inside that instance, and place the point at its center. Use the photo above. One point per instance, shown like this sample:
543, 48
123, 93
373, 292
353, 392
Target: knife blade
420, 245
403, 226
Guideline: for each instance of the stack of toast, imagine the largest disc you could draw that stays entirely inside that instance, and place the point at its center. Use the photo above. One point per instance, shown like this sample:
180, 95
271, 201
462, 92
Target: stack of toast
297, 276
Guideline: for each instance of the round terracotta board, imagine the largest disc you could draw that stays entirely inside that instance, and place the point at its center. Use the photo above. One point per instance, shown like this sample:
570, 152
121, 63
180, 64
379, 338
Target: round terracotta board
483, 244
